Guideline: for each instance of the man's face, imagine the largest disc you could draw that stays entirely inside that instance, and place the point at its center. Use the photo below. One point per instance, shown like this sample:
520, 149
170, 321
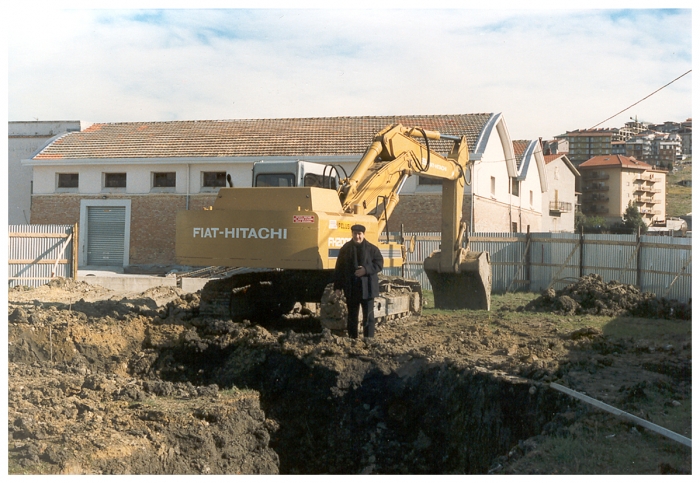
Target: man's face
358, 236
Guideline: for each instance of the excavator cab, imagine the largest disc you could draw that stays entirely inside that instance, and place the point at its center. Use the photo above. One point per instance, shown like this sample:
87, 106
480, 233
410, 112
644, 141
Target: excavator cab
288, 174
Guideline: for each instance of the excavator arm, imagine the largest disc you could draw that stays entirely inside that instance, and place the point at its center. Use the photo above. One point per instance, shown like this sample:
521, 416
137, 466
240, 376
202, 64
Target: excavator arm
460, 278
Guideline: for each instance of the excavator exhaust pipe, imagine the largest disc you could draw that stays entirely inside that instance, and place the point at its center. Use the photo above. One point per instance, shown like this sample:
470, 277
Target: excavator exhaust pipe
466, 286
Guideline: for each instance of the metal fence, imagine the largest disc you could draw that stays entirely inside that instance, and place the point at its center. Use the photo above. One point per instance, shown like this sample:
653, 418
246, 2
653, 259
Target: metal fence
38, 253
536, 261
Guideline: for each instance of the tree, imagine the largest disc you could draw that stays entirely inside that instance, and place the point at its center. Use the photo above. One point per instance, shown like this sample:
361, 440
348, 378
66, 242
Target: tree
633, 219
589, 224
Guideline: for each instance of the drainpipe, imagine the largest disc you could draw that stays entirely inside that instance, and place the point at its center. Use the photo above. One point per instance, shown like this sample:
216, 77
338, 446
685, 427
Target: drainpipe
187, 198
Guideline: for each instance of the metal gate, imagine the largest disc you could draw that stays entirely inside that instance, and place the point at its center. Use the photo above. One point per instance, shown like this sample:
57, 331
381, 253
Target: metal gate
105, 235
38, 253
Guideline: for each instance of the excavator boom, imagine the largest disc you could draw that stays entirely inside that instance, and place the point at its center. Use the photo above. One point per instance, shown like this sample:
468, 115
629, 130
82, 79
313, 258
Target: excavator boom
460, 278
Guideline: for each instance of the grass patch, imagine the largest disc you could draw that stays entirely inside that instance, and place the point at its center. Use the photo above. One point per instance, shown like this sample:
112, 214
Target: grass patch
653, 329
601, 444
498, 301
679, 198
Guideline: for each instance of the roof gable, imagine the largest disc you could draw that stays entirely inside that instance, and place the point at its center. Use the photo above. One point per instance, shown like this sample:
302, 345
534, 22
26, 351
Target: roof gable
550, 158
525, 153
333, 136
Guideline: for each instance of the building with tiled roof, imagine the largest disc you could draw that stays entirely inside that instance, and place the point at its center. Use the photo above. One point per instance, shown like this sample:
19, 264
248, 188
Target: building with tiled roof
137, 175
560, 200
612, 183
531, 177
302, 137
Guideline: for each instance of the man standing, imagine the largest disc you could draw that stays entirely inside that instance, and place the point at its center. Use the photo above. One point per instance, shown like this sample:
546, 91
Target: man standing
356, 271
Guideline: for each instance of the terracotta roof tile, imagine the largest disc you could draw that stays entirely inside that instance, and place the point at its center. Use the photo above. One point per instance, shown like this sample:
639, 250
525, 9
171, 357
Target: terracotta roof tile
250, 137
548, 158
615, 160
519, 148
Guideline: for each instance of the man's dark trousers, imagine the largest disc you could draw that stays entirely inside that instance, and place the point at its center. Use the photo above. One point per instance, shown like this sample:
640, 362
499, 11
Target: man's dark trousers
354, 302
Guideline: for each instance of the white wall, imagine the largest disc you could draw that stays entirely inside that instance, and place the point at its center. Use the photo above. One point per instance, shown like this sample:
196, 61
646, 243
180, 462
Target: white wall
492, 164
561, 178
139, 175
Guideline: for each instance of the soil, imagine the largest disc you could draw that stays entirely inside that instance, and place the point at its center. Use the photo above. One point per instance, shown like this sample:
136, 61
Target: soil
107, 383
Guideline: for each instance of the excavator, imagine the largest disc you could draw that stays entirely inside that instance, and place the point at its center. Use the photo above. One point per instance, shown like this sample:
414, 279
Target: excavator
284, 233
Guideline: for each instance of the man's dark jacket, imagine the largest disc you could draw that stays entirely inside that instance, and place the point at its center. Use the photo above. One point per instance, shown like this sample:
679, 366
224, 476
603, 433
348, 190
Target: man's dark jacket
345, 267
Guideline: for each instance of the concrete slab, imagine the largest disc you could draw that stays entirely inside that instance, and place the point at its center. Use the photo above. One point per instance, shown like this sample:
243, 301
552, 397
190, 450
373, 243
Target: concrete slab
127, 283
191, 285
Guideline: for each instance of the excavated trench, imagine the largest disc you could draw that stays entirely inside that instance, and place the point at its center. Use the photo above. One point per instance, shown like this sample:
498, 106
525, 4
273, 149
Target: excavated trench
149, 385
342, 414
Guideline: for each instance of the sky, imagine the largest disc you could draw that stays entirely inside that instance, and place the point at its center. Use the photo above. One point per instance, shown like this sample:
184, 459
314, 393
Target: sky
547, 70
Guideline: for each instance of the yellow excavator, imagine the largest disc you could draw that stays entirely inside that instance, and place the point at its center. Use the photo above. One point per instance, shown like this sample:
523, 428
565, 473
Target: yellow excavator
285, 231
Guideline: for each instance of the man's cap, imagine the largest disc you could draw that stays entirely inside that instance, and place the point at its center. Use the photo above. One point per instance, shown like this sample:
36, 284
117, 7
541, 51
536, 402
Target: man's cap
358, 228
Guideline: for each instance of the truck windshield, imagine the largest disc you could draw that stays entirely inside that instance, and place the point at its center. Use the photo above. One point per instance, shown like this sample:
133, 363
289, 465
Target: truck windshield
274, 179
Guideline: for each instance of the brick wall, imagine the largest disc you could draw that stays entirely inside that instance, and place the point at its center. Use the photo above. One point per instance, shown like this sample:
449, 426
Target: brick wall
55, 210
152, 225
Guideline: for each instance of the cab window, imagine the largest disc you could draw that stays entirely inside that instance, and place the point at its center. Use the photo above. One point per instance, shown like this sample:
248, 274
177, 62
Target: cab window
317, 180
274, 180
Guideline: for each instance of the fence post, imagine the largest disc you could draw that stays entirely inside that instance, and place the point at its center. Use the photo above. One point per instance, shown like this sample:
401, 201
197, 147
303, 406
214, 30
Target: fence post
528, 258
74, 253
403, 247
581, 243
639, 257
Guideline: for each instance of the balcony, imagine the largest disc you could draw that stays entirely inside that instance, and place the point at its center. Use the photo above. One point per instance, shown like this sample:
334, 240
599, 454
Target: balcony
589, 176
647, 189
596, 197
596, 187
560, 206
595, 210
647, 177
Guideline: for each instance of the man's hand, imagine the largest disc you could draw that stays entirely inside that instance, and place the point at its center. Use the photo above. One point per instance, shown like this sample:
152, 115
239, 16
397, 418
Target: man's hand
360, 272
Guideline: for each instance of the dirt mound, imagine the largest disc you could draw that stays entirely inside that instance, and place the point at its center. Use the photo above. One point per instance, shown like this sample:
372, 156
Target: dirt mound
145, 384
64, 420
590, 295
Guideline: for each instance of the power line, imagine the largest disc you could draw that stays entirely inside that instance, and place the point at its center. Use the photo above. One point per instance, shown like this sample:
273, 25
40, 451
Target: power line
629, 107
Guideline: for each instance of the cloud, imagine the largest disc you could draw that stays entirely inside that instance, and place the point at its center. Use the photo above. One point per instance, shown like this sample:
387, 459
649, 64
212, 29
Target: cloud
548, 71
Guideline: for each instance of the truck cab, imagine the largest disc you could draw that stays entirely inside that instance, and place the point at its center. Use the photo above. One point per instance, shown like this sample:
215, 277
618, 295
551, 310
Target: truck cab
294, 174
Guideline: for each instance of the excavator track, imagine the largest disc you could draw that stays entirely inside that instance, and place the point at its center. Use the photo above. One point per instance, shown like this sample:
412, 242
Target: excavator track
258, 295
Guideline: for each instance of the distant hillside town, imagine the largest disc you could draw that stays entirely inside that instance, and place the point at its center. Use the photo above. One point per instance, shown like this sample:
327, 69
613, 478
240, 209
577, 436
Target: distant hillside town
655, 144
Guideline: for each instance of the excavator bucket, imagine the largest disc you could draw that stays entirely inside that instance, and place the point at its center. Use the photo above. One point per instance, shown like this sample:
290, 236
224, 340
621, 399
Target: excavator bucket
466, 286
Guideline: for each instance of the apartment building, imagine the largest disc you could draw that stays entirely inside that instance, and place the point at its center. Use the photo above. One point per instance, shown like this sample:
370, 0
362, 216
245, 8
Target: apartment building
587, 143
632, 128
640, 147
619, 147
611, 183
656, 148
